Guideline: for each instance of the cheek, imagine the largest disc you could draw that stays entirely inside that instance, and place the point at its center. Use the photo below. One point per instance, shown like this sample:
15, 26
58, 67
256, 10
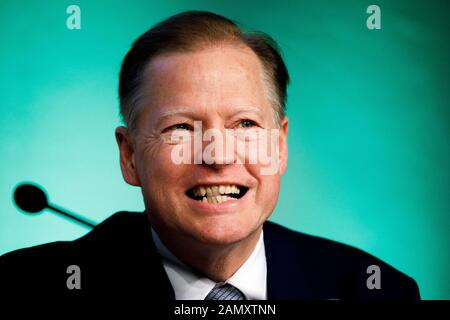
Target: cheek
270, 186
267, 188
159, 177
155, 165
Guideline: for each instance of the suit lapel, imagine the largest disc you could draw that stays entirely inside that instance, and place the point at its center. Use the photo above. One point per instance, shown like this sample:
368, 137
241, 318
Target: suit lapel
159, 285
286, 278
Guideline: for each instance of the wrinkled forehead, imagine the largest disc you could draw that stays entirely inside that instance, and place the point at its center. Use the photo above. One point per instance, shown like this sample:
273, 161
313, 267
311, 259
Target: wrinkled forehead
213, 79
209, 59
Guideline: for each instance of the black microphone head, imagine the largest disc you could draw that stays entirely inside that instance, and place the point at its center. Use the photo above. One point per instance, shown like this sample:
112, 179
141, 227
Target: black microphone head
30, 198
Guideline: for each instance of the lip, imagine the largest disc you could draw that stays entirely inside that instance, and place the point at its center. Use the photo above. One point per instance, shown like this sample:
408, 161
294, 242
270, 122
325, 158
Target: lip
223, 207
210, 183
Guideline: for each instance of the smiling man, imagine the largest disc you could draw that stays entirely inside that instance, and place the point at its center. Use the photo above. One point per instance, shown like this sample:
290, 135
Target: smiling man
198, 84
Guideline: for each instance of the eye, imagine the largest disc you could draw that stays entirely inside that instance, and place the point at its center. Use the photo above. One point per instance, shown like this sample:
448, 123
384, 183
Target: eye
182, 126
247, 123
179, 126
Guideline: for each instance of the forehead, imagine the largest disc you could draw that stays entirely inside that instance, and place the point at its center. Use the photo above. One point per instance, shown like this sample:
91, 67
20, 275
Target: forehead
219, 76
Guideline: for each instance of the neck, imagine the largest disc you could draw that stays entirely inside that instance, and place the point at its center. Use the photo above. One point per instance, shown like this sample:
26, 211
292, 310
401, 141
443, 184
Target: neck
217, 262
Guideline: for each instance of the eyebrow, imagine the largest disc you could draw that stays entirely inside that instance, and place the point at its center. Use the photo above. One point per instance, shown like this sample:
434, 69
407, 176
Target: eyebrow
187, 112
180, 111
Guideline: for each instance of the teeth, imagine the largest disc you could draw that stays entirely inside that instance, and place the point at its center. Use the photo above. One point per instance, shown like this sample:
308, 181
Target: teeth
217, 199
199, 192
214, 191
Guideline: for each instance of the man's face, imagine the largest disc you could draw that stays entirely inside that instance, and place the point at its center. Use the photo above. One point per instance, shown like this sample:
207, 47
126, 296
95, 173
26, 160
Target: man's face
222, 87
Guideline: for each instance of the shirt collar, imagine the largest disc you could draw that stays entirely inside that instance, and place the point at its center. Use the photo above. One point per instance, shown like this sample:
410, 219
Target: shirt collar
250, 278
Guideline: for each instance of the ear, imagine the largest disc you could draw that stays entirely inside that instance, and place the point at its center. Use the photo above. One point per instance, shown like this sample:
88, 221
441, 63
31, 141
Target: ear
127, 156
283, 145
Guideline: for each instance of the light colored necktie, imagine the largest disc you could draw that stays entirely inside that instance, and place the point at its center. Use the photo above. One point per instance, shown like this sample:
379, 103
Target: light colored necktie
225, 292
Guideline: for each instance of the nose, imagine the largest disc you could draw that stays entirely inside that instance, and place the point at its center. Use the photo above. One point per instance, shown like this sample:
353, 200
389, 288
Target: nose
218, 159
217, 148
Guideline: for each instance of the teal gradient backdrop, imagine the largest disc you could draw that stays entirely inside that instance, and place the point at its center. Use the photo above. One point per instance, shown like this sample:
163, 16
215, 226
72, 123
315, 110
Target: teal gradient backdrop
369, 120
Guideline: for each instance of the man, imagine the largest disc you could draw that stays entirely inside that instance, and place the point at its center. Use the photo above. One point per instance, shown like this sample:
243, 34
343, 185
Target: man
191, 82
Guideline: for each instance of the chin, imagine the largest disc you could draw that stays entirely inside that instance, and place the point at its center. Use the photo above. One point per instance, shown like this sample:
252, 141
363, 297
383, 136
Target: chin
222, 234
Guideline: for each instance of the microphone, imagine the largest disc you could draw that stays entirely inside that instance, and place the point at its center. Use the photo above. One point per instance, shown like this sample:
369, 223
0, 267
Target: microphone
32, 199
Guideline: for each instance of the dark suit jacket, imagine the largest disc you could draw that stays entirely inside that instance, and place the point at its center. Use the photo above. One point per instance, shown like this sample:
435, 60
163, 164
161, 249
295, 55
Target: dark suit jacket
118, 257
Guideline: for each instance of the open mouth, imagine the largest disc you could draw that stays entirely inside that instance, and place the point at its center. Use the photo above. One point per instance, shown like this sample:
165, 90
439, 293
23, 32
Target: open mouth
217, 193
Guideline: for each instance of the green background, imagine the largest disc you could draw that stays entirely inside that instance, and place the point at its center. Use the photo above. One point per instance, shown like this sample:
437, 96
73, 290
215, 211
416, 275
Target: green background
369, 120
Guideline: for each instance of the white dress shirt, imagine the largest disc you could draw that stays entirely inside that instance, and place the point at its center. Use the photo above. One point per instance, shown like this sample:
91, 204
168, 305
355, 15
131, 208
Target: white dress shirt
250, 278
